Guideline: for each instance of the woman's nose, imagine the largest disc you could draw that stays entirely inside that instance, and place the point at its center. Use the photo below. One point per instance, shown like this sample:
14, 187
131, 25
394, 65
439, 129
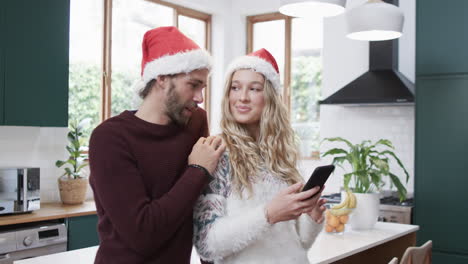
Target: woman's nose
244, 95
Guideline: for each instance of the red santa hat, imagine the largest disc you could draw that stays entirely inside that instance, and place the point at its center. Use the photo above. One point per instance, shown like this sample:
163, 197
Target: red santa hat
167, 51
260, 61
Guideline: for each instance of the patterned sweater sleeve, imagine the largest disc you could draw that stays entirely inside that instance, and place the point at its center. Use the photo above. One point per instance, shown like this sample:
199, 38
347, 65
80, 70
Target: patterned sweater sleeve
216, 233
307, 230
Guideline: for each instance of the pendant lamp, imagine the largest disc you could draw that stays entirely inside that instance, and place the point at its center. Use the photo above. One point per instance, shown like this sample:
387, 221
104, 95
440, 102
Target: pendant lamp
312, 8
374, 20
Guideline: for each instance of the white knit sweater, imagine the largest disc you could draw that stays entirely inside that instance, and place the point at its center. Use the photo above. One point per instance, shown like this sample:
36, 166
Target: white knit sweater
230, 229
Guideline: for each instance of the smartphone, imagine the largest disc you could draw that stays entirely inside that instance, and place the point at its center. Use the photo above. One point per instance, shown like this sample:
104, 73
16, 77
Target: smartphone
319, 177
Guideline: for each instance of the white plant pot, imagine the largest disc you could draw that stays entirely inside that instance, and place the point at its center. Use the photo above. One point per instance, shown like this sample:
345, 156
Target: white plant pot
366, 213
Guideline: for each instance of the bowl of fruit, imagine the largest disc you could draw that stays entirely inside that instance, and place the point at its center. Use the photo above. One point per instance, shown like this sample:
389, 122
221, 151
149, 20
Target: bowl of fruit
337, 216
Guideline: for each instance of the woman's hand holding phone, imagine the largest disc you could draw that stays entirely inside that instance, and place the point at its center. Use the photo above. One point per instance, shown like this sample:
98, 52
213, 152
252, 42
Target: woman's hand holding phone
290, 203
317, 212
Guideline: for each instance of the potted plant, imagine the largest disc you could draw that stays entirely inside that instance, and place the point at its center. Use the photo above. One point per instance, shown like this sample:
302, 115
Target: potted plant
73, 183
369, 165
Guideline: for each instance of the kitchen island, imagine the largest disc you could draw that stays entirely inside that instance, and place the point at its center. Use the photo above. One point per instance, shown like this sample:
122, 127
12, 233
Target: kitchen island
377, 245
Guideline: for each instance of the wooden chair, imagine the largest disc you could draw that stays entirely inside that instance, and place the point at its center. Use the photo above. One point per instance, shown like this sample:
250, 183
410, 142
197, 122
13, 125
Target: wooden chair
418, 255
393, 261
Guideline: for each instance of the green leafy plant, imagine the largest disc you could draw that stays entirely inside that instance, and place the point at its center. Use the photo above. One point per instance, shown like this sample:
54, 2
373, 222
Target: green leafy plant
369, 165
77, 160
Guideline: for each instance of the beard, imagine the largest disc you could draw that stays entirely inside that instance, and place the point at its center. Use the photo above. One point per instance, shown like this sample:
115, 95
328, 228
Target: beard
175, 107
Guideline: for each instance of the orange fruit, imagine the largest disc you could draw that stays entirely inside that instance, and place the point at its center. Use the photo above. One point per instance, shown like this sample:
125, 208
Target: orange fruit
333, 221
344, 219
327, 214
340, 228
329, 229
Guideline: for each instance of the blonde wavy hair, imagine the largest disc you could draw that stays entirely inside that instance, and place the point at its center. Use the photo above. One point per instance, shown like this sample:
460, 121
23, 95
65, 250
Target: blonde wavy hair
275, 148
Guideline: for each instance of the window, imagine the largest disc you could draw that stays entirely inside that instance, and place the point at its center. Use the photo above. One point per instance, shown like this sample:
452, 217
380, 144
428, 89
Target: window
130, 20
296, 43
85, 69
105, 51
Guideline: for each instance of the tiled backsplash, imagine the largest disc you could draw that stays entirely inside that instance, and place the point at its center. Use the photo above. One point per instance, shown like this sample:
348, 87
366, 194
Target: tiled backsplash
36, 147
395, 123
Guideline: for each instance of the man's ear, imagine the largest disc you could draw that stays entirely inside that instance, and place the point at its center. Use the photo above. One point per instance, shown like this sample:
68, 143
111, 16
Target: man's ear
162, 80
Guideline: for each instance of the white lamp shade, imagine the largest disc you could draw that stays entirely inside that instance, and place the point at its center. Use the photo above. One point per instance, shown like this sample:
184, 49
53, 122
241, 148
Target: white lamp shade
312, 8
375, 20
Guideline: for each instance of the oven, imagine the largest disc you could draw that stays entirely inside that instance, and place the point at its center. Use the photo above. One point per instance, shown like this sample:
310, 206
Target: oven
32, 240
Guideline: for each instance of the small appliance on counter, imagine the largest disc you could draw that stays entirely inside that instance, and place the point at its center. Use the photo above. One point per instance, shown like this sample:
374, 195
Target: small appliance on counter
19, 190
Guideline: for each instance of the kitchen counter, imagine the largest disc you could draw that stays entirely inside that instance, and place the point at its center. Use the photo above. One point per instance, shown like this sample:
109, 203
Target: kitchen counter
375, 245
50, 211
385, 240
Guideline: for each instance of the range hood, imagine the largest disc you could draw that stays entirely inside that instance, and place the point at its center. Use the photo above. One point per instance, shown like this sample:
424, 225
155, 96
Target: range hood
383, 84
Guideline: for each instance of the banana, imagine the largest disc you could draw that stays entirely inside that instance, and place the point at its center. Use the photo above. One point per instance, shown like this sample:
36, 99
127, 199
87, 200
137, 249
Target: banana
343, 204
341, 211
352, 200
346, 206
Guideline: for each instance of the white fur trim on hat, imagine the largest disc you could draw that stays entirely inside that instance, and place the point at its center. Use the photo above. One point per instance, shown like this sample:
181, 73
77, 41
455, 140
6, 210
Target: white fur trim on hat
182, 62
259, 65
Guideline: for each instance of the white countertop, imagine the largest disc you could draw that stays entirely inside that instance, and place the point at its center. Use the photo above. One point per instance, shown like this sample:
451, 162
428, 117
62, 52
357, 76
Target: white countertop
330, 247
327, 248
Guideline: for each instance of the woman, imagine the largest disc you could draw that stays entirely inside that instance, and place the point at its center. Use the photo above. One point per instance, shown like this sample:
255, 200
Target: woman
253, 211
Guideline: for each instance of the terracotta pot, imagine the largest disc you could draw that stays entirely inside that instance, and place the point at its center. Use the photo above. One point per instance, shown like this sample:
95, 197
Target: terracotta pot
72, 191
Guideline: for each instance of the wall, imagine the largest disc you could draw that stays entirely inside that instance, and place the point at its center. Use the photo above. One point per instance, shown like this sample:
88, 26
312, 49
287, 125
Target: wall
344, 60
36, 147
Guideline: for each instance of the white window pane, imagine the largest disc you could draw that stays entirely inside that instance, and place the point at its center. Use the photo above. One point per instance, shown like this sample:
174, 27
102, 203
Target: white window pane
194, 29
306, 77
85, 69
130, 20
270, 35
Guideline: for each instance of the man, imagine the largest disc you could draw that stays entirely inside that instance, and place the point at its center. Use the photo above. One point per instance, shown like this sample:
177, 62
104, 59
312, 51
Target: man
148, 167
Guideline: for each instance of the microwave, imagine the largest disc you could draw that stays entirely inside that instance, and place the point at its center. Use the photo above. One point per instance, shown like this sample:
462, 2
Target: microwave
19, 190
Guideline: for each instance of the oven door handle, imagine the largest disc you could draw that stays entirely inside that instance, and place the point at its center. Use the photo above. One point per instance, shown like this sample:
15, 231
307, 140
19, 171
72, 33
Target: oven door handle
4, 257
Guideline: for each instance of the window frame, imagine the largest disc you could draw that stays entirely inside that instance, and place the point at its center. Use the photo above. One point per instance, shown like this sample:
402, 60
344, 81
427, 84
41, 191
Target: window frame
106, 83
287, 74
251, 20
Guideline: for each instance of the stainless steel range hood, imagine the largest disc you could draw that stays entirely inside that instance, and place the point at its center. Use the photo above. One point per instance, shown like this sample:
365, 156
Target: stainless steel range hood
383, 84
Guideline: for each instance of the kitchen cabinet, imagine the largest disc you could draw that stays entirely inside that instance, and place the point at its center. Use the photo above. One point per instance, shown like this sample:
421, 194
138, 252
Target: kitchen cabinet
441, 128
2, 51
441, 35
438, 257
82, 232
441, 160
34, 71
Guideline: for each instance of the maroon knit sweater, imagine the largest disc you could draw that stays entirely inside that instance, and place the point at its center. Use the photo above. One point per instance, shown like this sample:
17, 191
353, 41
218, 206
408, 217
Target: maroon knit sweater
143, 189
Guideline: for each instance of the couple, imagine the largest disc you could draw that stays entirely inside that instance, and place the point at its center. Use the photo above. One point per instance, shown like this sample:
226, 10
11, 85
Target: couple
159, 180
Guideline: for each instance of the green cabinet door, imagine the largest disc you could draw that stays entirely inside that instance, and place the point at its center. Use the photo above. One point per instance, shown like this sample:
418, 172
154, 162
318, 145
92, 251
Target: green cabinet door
82, 232
35, 39
441, 37
444, 258
441, 162
2, 67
